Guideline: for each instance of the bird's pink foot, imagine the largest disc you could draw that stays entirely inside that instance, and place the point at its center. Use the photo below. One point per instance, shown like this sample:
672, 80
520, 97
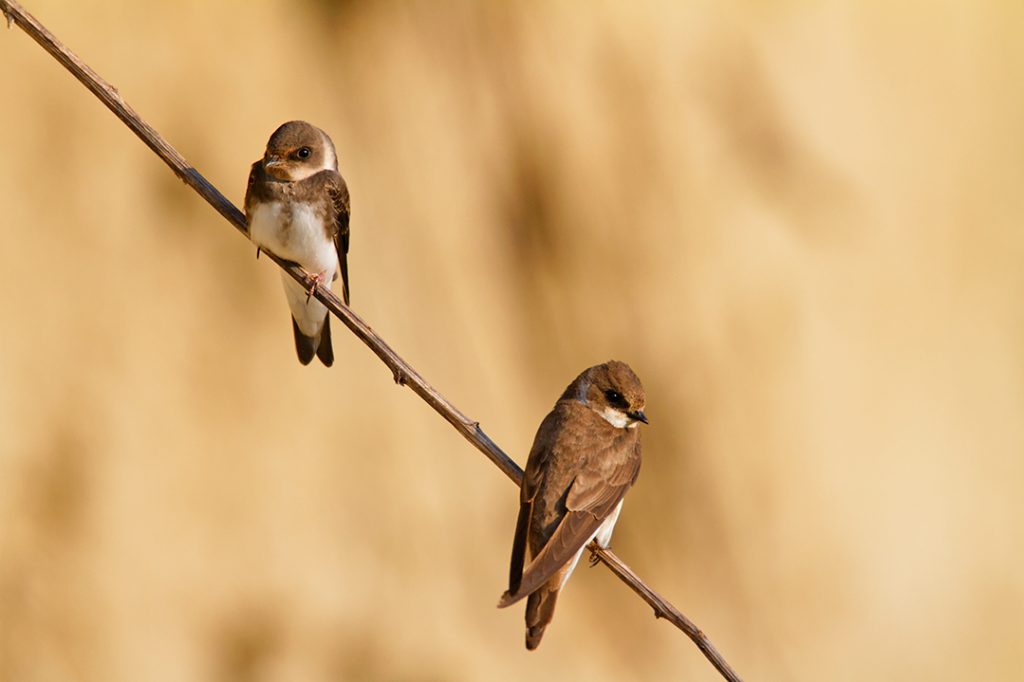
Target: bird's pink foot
317, 278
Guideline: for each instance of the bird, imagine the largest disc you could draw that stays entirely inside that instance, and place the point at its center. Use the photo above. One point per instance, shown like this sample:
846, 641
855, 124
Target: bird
297, 207
584, 458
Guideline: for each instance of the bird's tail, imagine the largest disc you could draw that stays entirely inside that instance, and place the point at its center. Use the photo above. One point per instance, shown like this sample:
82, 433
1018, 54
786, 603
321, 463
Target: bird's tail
305, 346
325, 351
320, 345
540, 609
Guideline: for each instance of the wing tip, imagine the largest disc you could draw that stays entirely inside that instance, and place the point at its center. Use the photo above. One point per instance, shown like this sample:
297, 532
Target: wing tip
508, 599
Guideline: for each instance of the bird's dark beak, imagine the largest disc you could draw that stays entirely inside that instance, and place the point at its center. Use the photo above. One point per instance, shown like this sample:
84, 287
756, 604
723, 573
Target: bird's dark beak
638, 416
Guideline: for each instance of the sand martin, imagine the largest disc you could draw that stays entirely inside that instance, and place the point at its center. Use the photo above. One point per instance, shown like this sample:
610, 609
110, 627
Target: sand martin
585, 456
297, 207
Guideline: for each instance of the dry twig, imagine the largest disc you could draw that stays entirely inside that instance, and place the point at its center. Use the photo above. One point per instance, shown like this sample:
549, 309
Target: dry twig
403, 373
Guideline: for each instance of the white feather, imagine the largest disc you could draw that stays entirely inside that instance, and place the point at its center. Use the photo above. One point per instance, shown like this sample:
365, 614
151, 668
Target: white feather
295, 232
330, 156
616, 418
604, 532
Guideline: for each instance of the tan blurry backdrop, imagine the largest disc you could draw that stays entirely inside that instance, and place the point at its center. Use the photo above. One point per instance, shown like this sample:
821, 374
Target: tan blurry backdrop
801, 224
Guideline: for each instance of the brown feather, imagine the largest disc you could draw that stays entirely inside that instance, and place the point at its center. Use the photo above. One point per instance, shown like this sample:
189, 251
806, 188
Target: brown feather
575, 529
260, 188
305, 346
342, 213
515, 571
540, 609
324, 350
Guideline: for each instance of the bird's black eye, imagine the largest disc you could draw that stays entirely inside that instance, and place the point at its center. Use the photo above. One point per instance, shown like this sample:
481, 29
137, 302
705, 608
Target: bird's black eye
615, 399
303, 153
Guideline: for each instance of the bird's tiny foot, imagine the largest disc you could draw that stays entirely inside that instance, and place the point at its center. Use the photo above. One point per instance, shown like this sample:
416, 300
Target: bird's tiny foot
594, 559
317, 279
258, 250
400, 376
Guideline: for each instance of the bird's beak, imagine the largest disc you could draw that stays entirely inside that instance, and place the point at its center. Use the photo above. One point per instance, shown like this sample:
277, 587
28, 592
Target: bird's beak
638, 416
276, 167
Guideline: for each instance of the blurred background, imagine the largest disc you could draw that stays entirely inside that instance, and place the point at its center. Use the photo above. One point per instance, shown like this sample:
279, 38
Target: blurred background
799, 222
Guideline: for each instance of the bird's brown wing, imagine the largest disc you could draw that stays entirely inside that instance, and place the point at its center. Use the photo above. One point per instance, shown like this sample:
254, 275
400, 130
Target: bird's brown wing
572, 532
603, 481
536, 464
608, 470
342, 211
255, 172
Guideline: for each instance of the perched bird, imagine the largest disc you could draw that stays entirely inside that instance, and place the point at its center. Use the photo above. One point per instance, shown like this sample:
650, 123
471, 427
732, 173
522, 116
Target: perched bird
585, 456
297, 207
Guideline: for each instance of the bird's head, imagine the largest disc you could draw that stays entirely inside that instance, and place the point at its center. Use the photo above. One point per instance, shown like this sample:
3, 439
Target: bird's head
298, 150
614, 392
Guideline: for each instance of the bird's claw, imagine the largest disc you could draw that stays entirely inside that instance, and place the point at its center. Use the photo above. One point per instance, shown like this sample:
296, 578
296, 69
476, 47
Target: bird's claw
594, 559
317, 279
400, 377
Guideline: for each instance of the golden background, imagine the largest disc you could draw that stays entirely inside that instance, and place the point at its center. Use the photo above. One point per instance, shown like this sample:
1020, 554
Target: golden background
799, 222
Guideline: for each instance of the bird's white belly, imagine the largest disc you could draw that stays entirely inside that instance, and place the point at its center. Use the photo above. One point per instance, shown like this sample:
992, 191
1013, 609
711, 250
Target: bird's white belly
294, 232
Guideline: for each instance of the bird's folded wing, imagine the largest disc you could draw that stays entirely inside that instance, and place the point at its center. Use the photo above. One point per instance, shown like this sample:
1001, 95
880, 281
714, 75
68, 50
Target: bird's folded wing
255, 174
532, 478
595, 492
573, 531
602, 482
342, 211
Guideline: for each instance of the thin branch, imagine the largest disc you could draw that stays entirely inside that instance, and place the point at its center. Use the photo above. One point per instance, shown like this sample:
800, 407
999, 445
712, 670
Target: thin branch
403, 373
664, 609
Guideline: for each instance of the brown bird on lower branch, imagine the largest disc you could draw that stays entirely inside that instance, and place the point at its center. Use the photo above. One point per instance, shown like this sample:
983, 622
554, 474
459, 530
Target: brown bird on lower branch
585, 456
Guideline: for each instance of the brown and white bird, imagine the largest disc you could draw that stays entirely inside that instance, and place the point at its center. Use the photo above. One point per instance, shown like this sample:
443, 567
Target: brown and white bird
585, 456
297, 207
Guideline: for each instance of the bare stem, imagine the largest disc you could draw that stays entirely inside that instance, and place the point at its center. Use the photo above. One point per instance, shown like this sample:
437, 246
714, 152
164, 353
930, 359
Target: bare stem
403, 373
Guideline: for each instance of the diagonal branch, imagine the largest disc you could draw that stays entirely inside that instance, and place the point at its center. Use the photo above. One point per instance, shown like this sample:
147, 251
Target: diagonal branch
403, 373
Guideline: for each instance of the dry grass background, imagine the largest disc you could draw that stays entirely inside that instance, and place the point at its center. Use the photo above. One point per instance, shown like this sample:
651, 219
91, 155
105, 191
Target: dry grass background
799, 222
